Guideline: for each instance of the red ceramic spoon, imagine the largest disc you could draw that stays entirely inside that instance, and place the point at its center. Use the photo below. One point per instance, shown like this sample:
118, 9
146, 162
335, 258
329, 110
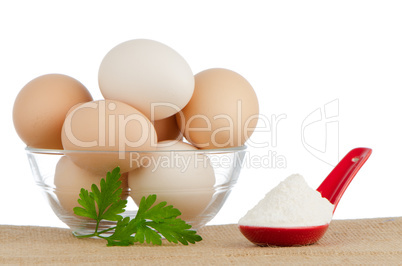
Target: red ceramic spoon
331, 188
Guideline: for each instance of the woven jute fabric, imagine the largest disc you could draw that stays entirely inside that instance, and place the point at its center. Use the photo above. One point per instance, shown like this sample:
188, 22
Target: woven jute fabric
364, 241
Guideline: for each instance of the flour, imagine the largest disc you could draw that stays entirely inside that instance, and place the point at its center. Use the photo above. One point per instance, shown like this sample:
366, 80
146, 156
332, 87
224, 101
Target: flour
290, 204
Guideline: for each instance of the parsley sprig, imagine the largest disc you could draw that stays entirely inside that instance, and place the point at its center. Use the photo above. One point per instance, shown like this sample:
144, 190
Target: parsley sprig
152, 220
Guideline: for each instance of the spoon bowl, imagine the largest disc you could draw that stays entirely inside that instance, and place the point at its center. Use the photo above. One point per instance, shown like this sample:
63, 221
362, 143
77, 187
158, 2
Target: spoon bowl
288, 236
332, 188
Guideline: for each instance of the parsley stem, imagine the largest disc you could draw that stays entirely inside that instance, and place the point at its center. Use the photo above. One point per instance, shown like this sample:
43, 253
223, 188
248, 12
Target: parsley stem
96, 233
97, 226
86, 236
107, 230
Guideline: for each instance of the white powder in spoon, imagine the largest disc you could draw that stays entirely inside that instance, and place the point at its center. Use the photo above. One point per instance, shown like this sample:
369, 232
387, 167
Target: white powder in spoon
290, 204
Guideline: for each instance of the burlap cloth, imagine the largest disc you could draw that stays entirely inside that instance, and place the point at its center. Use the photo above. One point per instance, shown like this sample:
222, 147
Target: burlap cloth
367, 241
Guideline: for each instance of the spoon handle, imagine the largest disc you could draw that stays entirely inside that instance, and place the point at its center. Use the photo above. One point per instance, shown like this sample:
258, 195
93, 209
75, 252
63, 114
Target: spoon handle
333, 187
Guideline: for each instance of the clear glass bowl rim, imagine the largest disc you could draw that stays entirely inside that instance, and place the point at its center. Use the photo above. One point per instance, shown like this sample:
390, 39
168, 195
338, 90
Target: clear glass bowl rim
201, 151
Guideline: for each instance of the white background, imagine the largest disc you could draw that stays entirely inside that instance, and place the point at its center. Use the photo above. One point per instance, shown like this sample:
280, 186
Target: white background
298, 56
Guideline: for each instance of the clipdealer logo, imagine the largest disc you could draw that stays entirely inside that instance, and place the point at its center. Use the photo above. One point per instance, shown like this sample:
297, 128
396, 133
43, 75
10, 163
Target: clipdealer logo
111, 131
183, 160
320, 133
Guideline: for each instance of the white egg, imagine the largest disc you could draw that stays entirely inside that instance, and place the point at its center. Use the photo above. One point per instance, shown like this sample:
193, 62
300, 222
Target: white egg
182, 178
148, 75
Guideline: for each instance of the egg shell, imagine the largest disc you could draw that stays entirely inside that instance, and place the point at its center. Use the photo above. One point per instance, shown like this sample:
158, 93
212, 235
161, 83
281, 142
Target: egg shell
70, 178
223, 111
124, 186
148, 75
41, 106
189, 188
99, 135
167, 129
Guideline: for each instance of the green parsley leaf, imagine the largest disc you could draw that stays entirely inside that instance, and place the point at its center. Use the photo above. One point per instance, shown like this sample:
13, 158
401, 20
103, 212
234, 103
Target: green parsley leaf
104, 203
149, 225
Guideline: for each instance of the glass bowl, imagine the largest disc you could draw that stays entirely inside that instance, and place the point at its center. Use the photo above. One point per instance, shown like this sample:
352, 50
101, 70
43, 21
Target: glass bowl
198, 187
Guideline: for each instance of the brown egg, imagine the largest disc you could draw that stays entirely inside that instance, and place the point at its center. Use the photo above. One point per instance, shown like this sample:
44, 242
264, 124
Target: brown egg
41, 106
124, 185
104, 133
167, 129
223, 111
69, 179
